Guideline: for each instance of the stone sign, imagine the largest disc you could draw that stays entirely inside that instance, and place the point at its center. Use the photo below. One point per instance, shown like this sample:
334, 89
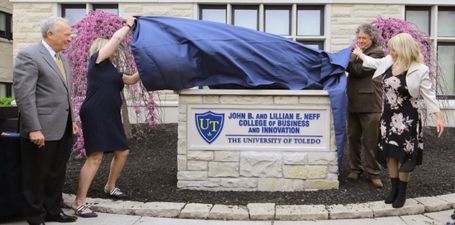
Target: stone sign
256, 140
233, 127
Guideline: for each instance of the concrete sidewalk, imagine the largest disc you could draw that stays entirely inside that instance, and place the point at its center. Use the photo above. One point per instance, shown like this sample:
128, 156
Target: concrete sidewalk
435, 218
270, 211
434, 210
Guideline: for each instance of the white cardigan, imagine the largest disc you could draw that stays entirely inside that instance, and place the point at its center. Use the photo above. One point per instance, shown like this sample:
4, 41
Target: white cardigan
417, 80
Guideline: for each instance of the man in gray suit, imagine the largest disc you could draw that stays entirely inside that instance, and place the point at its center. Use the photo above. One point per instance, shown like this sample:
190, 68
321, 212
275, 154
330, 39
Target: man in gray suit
41, 80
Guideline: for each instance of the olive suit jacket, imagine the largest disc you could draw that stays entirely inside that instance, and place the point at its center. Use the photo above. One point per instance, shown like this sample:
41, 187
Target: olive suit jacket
364, 93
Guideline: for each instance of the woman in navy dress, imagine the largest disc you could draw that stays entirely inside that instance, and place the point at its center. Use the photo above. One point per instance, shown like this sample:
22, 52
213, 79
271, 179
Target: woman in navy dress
101, 119
405, 83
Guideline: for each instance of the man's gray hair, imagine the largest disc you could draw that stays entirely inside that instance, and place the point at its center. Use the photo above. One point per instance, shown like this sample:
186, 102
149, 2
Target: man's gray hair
50, 24
370, 30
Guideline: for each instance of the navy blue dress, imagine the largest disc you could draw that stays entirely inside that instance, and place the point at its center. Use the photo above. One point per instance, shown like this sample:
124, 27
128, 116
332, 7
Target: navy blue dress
100, 112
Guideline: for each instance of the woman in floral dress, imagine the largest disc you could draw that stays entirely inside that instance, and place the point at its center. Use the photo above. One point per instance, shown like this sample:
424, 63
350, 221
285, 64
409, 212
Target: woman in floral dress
405, 83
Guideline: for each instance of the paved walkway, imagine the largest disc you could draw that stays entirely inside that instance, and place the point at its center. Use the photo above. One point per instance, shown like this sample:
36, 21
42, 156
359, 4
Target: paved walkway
435, 218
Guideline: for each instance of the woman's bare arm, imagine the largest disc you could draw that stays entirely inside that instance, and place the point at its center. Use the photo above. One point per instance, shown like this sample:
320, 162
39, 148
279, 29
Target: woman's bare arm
111, 46
130, 79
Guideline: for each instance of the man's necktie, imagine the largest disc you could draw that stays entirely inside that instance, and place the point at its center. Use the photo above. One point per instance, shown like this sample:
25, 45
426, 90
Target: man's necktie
59, 62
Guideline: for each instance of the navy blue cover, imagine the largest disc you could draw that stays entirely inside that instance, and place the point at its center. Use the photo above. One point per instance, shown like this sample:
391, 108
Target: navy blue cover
177, 53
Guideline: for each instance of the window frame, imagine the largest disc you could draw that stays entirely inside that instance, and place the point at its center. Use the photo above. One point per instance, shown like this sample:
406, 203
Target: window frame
223, 7
320, 40
420, 8
9, 89
65, 6
312, 7
444, 8
87, 6
448, 96
7, 33
320, 44
253, 7
105, 6
279, 7
436, 40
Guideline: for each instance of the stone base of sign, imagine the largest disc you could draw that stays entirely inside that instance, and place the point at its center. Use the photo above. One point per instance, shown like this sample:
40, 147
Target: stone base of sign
285, 164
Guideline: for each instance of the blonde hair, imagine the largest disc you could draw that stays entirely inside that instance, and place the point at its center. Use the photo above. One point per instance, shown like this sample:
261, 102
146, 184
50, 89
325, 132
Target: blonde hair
407, 48
97, 45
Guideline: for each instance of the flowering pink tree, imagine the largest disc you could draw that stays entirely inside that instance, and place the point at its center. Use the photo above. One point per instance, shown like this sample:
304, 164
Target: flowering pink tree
99, 24
387, 28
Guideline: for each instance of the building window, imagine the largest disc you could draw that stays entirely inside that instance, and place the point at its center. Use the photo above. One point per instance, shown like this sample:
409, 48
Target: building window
75, 12
246, 16
314, 44
310, 21
446, 17
446, 59
5, 90
5, 26
307, 28
109, 8
442, 35
278, 20
213, 13
420, 16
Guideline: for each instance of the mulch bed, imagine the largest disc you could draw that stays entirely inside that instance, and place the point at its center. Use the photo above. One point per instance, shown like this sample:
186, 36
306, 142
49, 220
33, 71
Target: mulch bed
151, 175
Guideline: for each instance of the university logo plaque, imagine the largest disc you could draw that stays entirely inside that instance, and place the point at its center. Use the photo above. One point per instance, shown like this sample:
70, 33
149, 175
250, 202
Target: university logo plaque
209, 125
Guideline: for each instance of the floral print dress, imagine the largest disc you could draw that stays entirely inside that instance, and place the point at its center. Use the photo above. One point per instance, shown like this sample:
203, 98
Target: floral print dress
401, 127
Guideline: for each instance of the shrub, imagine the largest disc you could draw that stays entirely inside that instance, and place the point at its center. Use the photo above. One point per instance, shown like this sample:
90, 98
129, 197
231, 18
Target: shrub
6, 101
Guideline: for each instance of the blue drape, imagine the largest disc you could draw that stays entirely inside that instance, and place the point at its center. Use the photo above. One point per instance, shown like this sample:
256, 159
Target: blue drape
177, 53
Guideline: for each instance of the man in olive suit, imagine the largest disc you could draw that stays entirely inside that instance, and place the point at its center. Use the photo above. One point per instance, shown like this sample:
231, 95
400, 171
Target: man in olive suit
42, 86
365, 107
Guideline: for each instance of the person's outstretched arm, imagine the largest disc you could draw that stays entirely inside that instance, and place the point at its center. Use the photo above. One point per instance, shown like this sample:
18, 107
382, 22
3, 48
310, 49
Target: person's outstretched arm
368, 61
109, 49
130, 79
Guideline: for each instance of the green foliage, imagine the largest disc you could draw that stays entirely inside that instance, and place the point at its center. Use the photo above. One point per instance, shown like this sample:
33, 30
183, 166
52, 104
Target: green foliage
6, 101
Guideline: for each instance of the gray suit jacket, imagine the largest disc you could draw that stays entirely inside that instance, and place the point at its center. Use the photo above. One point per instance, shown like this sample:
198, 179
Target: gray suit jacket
41, 94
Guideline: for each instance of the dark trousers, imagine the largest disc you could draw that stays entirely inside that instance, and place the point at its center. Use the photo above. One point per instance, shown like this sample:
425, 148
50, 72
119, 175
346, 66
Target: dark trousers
44, 175
363, 131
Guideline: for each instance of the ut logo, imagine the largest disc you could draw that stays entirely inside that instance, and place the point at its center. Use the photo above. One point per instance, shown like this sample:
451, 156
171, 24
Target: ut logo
209, 125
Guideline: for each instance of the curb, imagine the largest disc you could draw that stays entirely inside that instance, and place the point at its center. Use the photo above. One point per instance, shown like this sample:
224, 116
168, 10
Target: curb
268, 211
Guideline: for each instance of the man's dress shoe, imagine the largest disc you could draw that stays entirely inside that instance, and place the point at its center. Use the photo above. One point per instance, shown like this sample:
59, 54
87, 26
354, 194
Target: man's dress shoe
61, 218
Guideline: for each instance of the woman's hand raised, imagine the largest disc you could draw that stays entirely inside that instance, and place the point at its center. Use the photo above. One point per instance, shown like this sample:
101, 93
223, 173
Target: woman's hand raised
357, 51
130, 21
